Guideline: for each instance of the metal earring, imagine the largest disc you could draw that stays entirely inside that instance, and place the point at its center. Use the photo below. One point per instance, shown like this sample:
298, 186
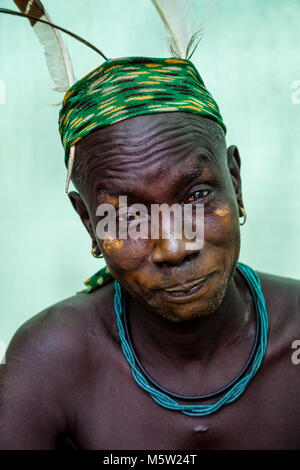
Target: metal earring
244, 215
94, 249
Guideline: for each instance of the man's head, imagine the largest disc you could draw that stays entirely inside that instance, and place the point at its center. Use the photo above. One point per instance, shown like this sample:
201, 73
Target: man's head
164, 158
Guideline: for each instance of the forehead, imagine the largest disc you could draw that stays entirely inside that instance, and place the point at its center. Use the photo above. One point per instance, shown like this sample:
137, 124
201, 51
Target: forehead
149, 148
155, 183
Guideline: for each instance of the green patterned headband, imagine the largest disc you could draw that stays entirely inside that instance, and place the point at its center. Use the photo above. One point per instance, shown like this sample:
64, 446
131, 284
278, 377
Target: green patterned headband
131, 86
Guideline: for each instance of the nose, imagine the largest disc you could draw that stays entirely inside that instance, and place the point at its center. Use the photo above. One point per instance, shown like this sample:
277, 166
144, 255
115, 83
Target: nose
171, 246
171, 251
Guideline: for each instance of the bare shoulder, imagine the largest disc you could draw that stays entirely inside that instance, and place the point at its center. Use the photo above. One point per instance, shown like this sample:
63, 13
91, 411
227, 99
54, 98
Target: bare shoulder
281, 290
282, 296
62, 331
48, 360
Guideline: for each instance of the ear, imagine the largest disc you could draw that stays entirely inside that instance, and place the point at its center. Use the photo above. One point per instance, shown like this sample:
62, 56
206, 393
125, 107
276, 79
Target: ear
80, 208
234, 166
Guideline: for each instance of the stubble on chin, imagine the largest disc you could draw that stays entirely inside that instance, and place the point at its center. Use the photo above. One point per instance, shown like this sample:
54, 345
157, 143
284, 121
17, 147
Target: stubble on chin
205, 306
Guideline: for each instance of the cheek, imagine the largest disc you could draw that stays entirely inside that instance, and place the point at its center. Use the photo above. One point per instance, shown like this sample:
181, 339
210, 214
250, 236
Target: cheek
124, 255
222, 224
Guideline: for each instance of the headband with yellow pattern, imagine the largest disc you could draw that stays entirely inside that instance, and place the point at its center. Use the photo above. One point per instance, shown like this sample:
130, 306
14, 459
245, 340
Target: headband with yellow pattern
132, 86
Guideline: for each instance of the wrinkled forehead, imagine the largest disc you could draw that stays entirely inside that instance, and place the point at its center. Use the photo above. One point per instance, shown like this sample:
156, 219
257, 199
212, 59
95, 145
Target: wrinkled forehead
138, 137
147, 145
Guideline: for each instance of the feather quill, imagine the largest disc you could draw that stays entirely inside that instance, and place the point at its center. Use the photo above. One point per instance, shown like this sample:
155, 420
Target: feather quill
57, 55
183, 33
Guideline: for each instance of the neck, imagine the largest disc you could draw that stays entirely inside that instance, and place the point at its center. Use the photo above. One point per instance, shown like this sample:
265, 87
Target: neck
200, 338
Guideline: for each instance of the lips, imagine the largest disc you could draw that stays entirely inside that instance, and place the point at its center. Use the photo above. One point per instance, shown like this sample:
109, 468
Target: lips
189, 291
186, 286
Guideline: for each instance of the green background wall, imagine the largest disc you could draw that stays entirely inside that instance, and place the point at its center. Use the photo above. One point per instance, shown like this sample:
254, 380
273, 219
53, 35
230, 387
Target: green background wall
249, 59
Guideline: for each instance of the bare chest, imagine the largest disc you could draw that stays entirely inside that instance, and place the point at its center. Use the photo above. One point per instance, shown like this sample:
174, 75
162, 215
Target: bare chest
115, 413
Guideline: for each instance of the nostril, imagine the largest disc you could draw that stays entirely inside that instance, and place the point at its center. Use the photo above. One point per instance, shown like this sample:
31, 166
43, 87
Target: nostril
163, 259
190, 256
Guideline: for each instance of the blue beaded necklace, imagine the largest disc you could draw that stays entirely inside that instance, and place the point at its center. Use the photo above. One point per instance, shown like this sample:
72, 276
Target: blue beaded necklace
231, 391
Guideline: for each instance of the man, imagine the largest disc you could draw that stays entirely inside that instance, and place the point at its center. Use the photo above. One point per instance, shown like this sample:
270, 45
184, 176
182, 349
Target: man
193, 314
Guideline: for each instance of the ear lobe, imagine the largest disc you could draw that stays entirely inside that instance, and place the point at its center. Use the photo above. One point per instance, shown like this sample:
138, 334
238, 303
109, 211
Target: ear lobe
234, 166
81, 210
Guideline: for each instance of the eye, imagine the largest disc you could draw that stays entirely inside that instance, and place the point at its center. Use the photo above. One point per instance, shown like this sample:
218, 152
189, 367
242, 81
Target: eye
197, 195
131, 216
127, 217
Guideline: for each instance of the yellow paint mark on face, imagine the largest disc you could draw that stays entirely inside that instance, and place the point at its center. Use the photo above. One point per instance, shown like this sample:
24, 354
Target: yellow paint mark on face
222, 212
114, 200
111, 199
111, 244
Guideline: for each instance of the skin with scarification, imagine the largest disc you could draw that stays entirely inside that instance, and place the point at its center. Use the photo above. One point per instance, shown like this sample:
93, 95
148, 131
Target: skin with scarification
75, 380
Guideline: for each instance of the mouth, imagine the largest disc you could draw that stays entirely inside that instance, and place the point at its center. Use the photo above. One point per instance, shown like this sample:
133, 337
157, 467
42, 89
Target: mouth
187, 291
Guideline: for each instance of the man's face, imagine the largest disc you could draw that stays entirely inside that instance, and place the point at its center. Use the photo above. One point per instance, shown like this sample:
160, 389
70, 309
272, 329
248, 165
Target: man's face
166, 158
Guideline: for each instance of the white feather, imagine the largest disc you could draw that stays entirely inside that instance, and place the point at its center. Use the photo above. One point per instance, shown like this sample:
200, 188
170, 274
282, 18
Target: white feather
179, 18
57, 55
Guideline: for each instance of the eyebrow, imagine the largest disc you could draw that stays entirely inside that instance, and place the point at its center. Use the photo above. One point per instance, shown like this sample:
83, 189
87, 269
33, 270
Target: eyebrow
192, 172
195, 169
